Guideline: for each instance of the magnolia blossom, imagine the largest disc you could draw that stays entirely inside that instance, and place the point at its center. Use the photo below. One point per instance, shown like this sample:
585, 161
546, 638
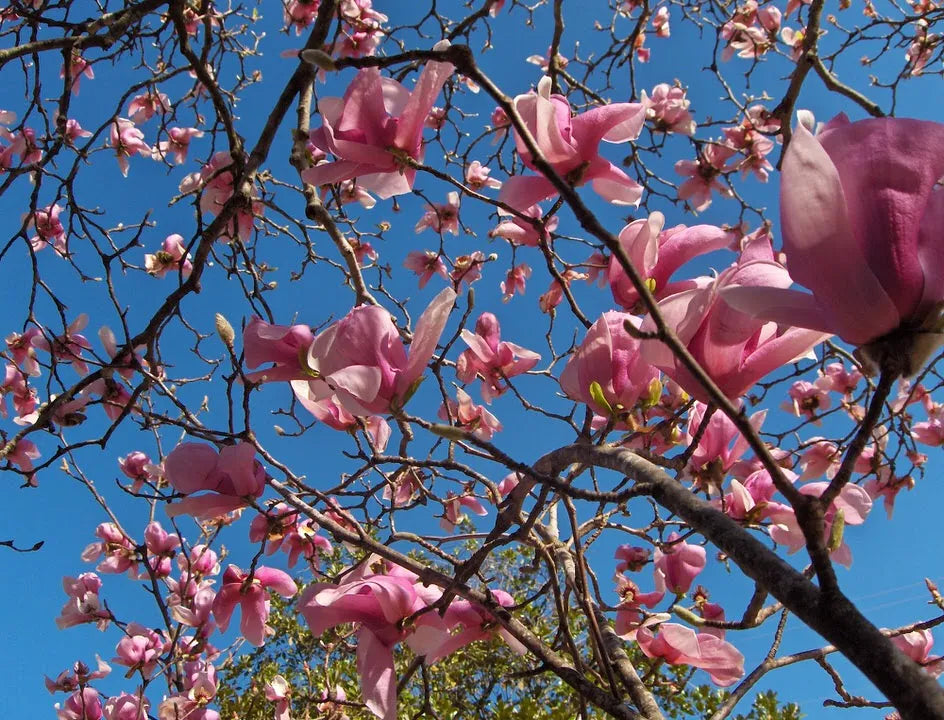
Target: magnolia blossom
571, 146
441, 217
248, 590
361, 363
680, 563
285, 345
860, 214
233, 477
667, 108
176, 144
453, 514
477, 177
127, 140
145, 106
853, 501
680, 645
607, 372
515, 281
704, 175
518, 231
472, 418
720, 446
492, 359
426, 263
83, 704
376, 130
49, 229
215, 181
279, 691
83, 605
657, 254
172, 257
735, 349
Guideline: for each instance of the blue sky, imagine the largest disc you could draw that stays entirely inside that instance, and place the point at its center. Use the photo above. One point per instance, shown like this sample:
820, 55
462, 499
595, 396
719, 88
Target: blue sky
891, 559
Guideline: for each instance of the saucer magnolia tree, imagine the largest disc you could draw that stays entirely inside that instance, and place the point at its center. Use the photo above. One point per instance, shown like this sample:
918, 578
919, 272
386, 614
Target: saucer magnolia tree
445, 380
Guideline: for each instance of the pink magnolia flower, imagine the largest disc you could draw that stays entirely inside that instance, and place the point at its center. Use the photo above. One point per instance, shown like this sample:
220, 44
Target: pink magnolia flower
69, 346
250, 593
469, 416
631, 558
629, 614
362, 363
555, 291
78, 67
83, 704
492, 359
514, 281
453, 514
807, 399
660, 22
25, 398
499, 123
607, 371
335, 415
721, 444
863, 193
477, 177
544, 61
571, 146
233, 477
680, 645
680, 563
81, 674
836, 378
83, 605
468, 268
887, 486
441, 217
521, 232
140, 649
299, 14
118, 549
820, 458
127, 707
376, 129
23, 454
127, 140
704, 175
735, 349
146, 105
285, 345
657, 254
49, 230
176, 144
215, 183
172, 257
402, 486
23, 351
667, 108
754, 147
161, 548
426, 263
854, 502
377, 603
279, 691
917, 645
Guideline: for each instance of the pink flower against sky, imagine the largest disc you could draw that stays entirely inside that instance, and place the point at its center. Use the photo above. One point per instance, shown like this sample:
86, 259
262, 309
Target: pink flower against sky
376, 129
571, 146
361, 361
864, 194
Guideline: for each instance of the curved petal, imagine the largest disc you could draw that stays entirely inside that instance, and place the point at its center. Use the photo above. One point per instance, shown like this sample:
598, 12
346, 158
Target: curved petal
823, 252
888, 168
189, 465
615, 123
615, 186
523, 191
426, 336
378, 677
